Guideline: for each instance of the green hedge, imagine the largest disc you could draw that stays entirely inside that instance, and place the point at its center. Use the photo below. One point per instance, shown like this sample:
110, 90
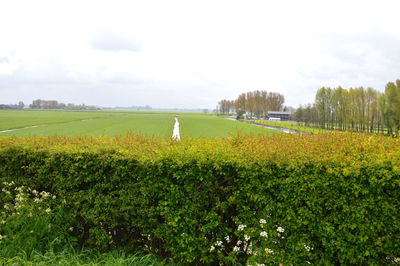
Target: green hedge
329, 199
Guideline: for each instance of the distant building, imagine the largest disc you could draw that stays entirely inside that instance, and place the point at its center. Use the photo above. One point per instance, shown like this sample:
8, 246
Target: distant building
283, 116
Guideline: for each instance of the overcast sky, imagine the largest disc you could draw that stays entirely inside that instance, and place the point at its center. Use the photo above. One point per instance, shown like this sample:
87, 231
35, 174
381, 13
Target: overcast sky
191, 54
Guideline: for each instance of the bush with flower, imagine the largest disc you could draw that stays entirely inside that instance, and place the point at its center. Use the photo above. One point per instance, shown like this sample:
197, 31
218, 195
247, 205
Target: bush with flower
31, 221
329, 199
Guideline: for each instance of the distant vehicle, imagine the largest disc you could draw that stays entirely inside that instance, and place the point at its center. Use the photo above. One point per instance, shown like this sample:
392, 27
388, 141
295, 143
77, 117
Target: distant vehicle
274, 119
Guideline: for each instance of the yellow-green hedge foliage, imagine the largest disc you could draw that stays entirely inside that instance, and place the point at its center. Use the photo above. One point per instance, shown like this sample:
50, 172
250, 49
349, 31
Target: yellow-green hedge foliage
326, 199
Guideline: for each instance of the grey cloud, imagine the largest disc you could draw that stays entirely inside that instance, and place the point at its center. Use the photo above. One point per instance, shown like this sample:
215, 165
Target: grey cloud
114, 43
372, 58
357, 48
4, 60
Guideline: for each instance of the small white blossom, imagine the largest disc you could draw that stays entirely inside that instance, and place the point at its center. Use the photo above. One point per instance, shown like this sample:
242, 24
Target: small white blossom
212, 248
227, 239
263, 221
236, 249
280, 229
239, 242
218, 243
246, 237
264, 234
269, 251
48, 210
261, 264
308, 248
241, 227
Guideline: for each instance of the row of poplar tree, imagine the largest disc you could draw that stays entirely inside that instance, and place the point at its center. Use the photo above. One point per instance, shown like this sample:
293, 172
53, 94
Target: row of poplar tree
254, 103
358, 109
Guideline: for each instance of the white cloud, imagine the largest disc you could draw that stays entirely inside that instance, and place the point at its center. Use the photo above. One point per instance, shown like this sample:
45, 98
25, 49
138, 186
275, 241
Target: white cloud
190, 53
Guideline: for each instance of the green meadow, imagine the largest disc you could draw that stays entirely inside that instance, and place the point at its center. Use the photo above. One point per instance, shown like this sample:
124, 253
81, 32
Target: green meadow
198, 125
114, 123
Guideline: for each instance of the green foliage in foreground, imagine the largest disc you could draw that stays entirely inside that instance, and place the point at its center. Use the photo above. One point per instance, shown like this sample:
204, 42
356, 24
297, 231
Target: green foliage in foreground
86, 257
33, 231
327, 199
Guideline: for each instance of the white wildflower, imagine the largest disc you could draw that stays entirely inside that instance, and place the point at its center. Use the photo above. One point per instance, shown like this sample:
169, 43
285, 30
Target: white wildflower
239, 242
246, 237
212, 248
45, 194
236, 249
264, 234
280, 229
241, 227
269, 251
261, 264
218, 243
308, 248
263, 221
227, 239
48, 210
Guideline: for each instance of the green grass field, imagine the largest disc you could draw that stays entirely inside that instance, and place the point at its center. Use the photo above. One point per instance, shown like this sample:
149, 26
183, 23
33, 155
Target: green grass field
85, 123
114, 123
290, 125
197, 125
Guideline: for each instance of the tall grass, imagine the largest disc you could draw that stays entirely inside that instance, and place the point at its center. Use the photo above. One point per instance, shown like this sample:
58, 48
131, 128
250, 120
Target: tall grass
34, 232
85, 257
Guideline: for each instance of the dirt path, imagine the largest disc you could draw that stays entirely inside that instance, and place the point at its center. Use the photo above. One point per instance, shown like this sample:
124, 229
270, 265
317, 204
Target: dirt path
176, 135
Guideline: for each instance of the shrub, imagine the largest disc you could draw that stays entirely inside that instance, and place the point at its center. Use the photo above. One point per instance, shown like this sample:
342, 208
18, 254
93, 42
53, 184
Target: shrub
30, 221
323, 199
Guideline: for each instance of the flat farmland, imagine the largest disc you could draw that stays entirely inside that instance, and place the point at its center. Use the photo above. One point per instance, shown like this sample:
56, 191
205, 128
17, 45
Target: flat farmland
114, 123
199, 125
85, 123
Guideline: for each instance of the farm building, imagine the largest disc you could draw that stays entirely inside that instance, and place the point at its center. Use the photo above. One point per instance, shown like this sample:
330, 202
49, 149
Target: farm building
283, 116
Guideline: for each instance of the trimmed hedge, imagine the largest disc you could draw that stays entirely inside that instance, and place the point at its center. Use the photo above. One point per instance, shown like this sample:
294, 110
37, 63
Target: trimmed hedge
325, 199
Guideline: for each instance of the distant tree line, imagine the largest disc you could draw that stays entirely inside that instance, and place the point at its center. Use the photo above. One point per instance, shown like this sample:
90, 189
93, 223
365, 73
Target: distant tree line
357, 109
53, 104
18, 106
255, 103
